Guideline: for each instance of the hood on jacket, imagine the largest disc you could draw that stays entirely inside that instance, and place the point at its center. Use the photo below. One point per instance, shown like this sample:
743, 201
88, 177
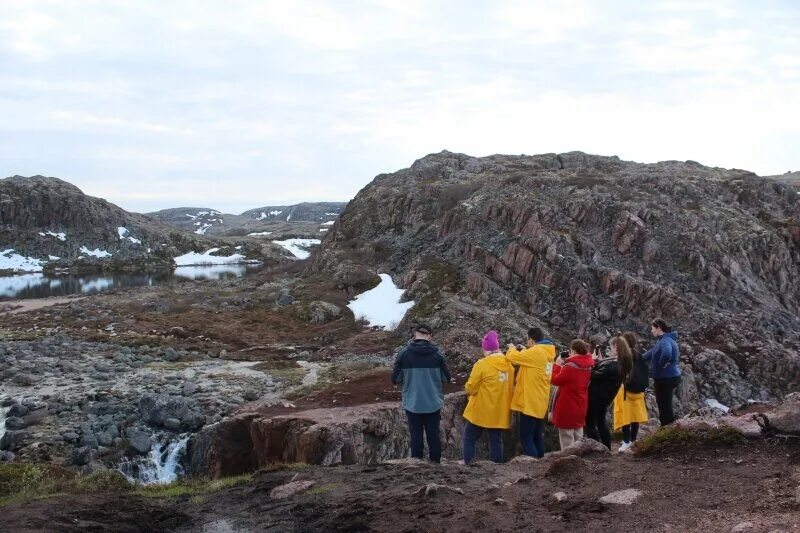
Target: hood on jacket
499, 362
583, 361
422, 347
670, 335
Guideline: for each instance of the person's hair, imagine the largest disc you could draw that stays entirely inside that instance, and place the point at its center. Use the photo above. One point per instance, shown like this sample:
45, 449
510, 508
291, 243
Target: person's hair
536, 334
633, 342
661, 324
624, 357
579, 347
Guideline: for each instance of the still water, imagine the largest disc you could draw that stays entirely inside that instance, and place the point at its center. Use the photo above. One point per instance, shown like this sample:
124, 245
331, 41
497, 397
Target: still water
44, 285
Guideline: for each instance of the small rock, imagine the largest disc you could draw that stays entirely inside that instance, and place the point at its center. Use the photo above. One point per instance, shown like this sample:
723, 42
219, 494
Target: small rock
170, 355
560, 496
179, 332
70, 437
290, 489
24, 380
568, 466
621, 497
500, 501
523, 459
82, 456
742, 526
189, 388
433, 488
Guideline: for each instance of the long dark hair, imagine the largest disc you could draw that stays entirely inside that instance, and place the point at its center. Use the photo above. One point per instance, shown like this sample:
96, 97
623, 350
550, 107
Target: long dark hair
633, 342
661, 324
624, 357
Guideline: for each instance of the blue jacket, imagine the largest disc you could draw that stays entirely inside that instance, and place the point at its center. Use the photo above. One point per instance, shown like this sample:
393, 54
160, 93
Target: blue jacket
664, 357
421, 368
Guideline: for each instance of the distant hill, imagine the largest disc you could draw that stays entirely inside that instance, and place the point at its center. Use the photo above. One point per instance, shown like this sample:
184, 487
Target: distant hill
47, 222
301, 219
792, 178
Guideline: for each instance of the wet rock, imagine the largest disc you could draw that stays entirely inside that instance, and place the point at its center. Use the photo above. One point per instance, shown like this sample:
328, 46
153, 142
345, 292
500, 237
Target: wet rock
288, 490
36, 417
104, 439
82, 456
15, 423
621, 497
139, 441
172, 424
155, 409
14, 440
17, 410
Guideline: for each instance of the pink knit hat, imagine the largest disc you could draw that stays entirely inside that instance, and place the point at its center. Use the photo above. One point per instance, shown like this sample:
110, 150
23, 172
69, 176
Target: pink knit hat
491, 342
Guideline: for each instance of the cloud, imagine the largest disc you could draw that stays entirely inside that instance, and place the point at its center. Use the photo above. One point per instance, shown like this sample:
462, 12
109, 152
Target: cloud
263, 102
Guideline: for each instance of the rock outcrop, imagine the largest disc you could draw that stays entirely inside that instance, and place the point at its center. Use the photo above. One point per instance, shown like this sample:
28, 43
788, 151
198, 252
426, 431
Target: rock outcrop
53, 222
585, 246
366, 434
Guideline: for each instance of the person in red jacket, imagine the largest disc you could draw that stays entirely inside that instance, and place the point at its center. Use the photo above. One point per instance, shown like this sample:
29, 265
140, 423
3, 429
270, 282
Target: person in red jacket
572, 375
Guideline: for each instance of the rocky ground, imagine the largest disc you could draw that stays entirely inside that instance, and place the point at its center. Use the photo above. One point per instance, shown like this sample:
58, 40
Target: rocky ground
90, 382
716, 487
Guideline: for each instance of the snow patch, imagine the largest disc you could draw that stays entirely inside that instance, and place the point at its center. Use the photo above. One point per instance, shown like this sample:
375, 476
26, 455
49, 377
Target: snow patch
196, 259
715, 404
53, 257
124, 231
259, 234
329, 223
297, 247
381, 306
60, 236
202, 230
332, 214
323, 230
97, 252
12, 261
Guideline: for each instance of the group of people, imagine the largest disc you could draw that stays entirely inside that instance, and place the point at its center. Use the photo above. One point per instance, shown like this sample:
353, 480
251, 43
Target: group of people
573, 390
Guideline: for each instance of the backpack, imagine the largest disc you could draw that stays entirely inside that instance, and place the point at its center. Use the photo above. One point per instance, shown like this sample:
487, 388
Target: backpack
640, 376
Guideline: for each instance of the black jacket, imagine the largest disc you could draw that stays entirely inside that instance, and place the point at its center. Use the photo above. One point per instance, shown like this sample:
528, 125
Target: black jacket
605, 382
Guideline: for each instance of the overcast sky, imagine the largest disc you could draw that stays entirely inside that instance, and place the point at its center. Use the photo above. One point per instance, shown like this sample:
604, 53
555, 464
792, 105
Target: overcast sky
238, 104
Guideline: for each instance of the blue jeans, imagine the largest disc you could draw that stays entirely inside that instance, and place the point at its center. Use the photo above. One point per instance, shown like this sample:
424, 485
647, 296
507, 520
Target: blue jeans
531, 435
429, 424
471, 435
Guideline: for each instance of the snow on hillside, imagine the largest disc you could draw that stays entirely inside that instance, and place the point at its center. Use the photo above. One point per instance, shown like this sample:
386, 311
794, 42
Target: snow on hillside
60, 236
122, 235
297, 247
97, 252
329, 223
197, 259
13, 261
381, 306
259, 234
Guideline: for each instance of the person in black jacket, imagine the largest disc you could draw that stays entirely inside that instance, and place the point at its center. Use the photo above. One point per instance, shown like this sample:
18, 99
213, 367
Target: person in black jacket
607, 377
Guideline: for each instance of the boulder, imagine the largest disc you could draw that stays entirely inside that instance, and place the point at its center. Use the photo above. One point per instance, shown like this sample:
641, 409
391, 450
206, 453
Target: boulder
139, 441
786, 417
322, 312
13, 441
581, 448
15, 423
156, 409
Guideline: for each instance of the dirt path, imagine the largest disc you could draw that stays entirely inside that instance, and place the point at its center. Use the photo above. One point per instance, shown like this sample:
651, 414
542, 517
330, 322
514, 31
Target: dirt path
711, 491
23, 306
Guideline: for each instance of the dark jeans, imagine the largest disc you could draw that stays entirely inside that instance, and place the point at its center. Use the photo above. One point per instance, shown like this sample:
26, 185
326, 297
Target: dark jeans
665, 389
596, 425
429, 423
531, 435
630, 432
471, 435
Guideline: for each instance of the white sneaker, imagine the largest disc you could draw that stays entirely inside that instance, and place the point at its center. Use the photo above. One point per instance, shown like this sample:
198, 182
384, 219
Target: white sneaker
625, 447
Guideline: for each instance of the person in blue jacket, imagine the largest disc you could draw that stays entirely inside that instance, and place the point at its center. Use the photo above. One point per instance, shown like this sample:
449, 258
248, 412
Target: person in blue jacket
664, 368
421, 368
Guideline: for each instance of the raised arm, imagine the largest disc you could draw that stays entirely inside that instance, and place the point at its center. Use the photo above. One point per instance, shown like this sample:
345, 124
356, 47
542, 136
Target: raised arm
474, 382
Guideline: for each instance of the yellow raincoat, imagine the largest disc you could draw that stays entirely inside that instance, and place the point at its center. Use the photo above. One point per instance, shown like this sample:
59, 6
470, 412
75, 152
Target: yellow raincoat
629, 408
490, 386
532, 391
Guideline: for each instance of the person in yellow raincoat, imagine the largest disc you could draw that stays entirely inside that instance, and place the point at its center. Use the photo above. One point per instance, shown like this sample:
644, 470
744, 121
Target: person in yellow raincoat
630, 408
532, 389
490, 386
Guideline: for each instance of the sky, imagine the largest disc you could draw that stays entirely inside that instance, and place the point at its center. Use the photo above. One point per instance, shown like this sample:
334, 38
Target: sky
238, 104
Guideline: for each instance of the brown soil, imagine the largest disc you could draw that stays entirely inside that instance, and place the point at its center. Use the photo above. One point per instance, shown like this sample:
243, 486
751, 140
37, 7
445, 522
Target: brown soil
709, 490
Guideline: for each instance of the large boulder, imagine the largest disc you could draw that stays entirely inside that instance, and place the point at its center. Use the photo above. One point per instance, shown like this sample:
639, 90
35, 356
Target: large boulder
157, 409
786, 417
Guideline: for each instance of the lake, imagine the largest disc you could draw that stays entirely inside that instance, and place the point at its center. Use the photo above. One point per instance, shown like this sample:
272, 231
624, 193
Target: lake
39, 285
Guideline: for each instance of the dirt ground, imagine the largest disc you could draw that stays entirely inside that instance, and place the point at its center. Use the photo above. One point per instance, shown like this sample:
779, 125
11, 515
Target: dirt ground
711, 490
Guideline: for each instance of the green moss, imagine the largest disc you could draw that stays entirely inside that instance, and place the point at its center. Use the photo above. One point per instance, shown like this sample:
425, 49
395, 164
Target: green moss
322, 489
193, 488
20, 482
675, 440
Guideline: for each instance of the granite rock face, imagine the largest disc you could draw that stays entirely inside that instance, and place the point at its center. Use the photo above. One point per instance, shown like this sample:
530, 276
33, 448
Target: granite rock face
586, 246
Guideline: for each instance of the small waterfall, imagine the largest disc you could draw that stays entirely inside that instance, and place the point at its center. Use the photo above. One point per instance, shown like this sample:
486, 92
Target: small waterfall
160, 466
3, 411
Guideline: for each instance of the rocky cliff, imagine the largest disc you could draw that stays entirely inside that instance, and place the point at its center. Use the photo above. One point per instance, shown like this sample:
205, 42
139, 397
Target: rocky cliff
585, 246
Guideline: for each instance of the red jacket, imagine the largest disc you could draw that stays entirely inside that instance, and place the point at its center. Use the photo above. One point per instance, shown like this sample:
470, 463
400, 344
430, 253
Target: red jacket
572, 398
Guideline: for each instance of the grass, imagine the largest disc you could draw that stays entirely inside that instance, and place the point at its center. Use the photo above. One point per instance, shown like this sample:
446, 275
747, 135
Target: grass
322, 489
22, 482
675, 440
194, 488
